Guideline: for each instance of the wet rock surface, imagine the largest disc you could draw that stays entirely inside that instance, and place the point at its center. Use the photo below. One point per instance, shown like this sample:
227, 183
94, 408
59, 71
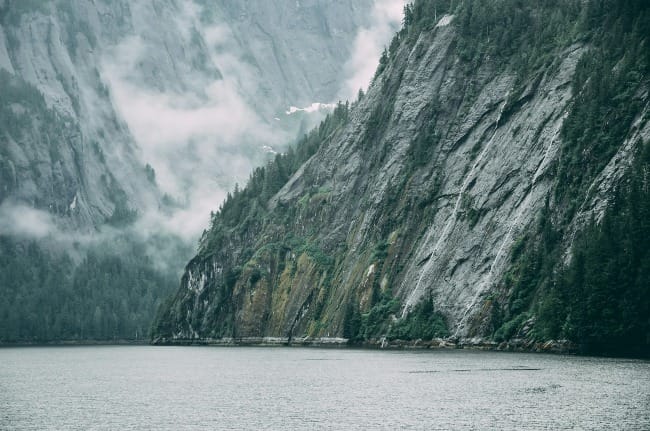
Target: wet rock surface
422, 193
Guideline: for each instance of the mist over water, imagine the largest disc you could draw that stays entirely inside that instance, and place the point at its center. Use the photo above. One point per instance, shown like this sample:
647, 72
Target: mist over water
198, 388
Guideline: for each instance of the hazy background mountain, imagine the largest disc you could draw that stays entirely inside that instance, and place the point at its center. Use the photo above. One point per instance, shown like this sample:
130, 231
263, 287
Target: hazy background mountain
124, 124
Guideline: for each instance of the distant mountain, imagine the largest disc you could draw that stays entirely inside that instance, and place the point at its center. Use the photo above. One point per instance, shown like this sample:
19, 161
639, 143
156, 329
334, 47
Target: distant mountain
123, 124
491, 187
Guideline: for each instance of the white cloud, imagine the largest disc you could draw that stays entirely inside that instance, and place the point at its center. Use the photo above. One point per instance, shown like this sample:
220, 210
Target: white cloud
368, 45
200, 140
22, 221
199, 131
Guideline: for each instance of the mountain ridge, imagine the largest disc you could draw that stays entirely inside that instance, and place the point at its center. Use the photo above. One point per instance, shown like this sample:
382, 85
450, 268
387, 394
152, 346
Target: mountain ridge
425, 188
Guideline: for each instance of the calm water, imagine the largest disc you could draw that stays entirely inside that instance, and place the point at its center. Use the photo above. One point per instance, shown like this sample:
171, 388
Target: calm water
206, 388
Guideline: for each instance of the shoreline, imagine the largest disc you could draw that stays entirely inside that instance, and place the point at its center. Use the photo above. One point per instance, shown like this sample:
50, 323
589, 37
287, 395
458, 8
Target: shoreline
556, 347
59, 343
516, 345
561, 347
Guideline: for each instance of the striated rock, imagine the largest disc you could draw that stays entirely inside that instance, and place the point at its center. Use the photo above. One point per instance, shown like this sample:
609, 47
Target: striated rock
421, 193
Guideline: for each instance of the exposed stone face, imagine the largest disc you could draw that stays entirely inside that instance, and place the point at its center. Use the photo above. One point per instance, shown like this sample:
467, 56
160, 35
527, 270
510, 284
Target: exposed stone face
448, 221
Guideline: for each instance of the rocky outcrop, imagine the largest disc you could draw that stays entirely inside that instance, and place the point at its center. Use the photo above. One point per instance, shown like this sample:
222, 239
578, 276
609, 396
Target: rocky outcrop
421, 193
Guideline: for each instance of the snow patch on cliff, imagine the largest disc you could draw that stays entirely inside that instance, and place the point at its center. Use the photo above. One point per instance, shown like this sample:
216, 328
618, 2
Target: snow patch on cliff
445, 21
314, 107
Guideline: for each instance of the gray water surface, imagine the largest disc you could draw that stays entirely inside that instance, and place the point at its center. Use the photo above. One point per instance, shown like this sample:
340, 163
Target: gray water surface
208, 388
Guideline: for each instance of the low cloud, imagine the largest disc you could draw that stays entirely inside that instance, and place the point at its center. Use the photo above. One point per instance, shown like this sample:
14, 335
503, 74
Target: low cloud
201, 137
22, 221
369, 44
200, 130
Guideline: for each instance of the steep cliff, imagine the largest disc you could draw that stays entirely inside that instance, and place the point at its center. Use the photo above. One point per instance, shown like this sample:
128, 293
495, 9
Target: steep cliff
404, 214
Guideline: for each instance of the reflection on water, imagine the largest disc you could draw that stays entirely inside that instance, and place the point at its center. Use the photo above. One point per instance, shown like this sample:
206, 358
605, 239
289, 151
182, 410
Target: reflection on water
206, 388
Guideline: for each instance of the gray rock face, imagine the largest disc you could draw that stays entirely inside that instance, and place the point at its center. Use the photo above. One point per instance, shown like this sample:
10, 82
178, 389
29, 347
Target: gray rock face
486, 163
71, 153
299, 48
448, 220
80, 150
505, 182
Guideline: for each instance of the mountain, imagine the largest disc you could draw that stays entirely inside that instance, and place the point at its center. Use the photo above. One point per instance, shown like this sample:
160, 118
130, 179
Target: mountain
491, 187
123, 124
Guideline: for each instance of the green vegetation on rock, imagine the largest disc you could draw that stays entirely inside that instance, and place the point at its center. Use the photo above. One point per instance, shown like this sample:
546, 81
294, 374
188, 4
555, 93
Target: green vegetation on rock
448, 144
601, 312
601, 298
